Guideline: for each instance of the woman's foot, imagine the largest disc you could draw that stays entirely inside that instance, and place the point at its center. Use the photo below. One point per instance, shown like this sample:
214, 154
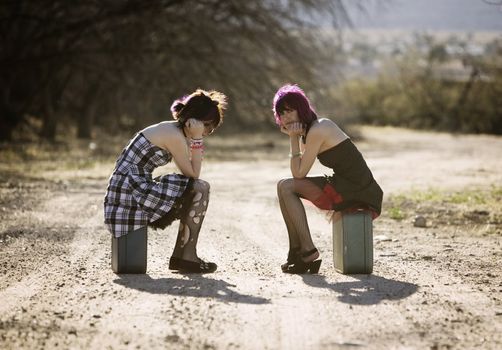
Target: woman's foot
188, 266
174, 263
310, 255
306, 263
293, 256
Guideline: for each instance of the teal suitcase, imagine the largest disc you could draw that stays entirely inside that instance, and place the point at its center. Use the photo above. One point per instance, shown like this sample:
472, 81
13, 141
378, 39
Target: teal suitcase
129, 252
353, 242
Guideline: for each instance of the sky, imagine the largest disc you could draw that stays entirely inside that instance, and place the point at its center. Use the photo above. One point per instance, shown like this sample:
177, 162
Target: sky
432, 15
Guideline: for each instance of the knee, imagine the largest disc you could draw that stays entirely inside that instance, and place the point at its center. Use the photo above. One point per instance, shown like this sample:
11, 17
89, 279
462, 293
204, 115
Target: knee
201, 186
284, 186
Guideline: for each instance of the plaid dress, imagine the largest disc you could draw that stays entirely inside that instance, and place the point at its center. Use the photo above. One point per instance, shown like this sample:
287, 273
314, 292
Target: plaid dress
133, 198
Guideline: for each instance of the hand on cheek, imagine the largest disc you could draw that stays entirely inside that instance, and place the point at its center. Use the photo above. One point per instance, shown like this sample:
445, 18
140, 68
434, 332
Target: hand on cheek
195, 128
284, 129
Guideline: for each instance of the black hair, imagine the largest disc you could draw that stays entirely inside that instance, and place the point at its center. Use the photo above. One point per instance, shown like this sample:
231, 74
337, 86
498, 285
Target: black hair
201, 105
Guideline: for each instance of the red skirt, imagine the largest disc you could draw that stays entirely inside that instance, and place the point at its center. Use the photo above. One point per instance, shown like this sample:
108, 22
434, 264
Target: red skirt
330, 198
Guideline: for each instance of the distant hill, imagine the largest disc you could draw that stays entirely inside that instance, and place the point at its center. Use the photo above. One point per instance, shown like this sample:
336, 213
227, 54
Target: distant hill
431, 15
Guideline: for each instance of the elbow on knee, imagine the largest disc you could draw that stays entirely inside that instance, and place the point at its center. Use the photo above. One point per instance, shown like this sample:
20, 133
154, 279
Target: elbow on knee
201, 186
283, 186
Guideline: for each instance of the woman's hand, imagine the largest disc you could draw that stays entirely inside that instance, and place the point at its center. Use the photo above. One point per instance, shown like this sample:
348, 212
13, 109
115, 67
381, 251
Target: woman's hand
293, 129
284, 129
195, 128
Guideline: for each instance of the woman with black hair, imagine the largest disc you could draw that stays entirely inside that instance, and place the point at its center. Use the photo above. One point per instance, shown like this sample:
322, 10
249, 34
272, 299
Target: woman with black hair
135, 200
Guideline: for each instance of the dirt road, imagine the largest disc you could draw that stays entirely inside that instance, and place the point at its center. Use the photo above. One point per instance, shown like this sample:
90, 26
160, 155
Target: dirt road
437, 287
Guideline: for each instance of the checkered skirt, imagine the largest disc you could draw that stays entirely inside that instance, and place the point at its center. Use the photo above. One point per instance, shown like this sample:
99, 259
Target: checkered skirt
133, 198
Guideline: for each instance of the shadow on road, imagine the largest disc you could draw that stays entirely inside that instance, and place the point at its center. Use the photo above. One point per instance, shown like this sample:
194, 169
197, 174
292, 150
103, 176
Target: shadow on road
195, 286
367, 290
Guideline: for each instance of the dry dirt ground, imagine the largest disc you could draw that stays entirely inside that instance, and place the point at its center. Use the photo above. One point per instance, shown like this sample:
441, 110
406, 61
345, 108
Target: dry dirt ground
434, 287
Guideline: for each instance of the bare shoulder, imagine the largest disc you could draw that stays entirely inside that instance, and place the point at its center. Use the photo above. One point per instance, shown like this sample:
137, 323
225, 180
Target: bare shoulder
325, 126
164, 134
318, 131
331, 133
327, 123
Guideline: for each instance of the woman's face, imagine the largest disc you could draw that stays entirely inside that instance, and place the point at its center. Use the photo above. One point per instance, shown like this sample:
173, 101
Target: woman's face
289, 116
208, 128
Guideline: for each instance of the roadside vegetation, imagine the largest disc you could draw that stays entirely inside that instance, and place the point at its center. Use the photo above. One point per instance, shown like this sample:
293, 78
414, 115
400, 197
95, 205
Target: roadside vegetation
480, 208
449, 84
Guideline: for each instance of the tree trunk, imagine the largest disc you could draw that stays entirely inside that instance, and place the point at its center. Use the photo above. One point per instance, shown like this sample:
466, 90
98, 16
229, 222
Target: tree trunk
84, 124
8, 121
9, 116
49, 125
86, 118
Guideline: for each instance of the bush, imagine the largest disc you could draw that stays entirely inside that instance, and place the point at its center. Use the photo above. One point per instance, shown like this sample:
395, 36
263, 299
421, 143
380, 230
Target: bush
420, 89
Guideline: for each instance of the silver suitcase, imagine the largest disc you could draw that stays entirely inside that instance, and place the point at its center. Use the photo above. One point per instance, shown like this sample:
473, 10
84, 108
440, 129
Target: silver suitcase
129, 252
353, 242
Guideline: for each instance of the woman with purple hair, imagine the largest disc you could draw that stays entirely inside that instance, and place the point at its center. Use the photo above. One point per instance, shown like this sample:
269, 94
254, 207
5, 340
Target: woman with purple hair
135, 200
351, 184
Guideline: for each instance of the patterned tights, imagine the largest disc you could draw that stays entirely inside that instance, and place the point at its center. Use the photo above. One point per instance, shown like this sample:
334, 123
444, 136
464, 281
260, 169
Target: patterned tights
289, 192
188, 232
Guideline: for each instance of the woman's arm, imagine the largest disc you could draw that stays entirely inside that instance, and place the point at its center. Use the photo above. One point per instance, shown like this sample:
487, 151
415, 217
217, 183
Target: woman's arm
189, 166
301, 163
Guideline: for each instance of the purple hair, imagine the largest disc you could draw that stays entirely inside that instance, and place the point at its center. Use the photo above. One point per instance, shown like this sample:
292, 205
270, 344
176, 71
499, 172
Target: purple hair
291, 96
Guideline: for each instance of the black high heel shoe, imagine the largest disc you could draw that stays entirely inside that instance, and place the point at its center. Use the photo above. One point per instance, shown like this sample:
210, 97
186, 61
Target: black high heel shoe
188, 266
301, 267
293, 257
174, 263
